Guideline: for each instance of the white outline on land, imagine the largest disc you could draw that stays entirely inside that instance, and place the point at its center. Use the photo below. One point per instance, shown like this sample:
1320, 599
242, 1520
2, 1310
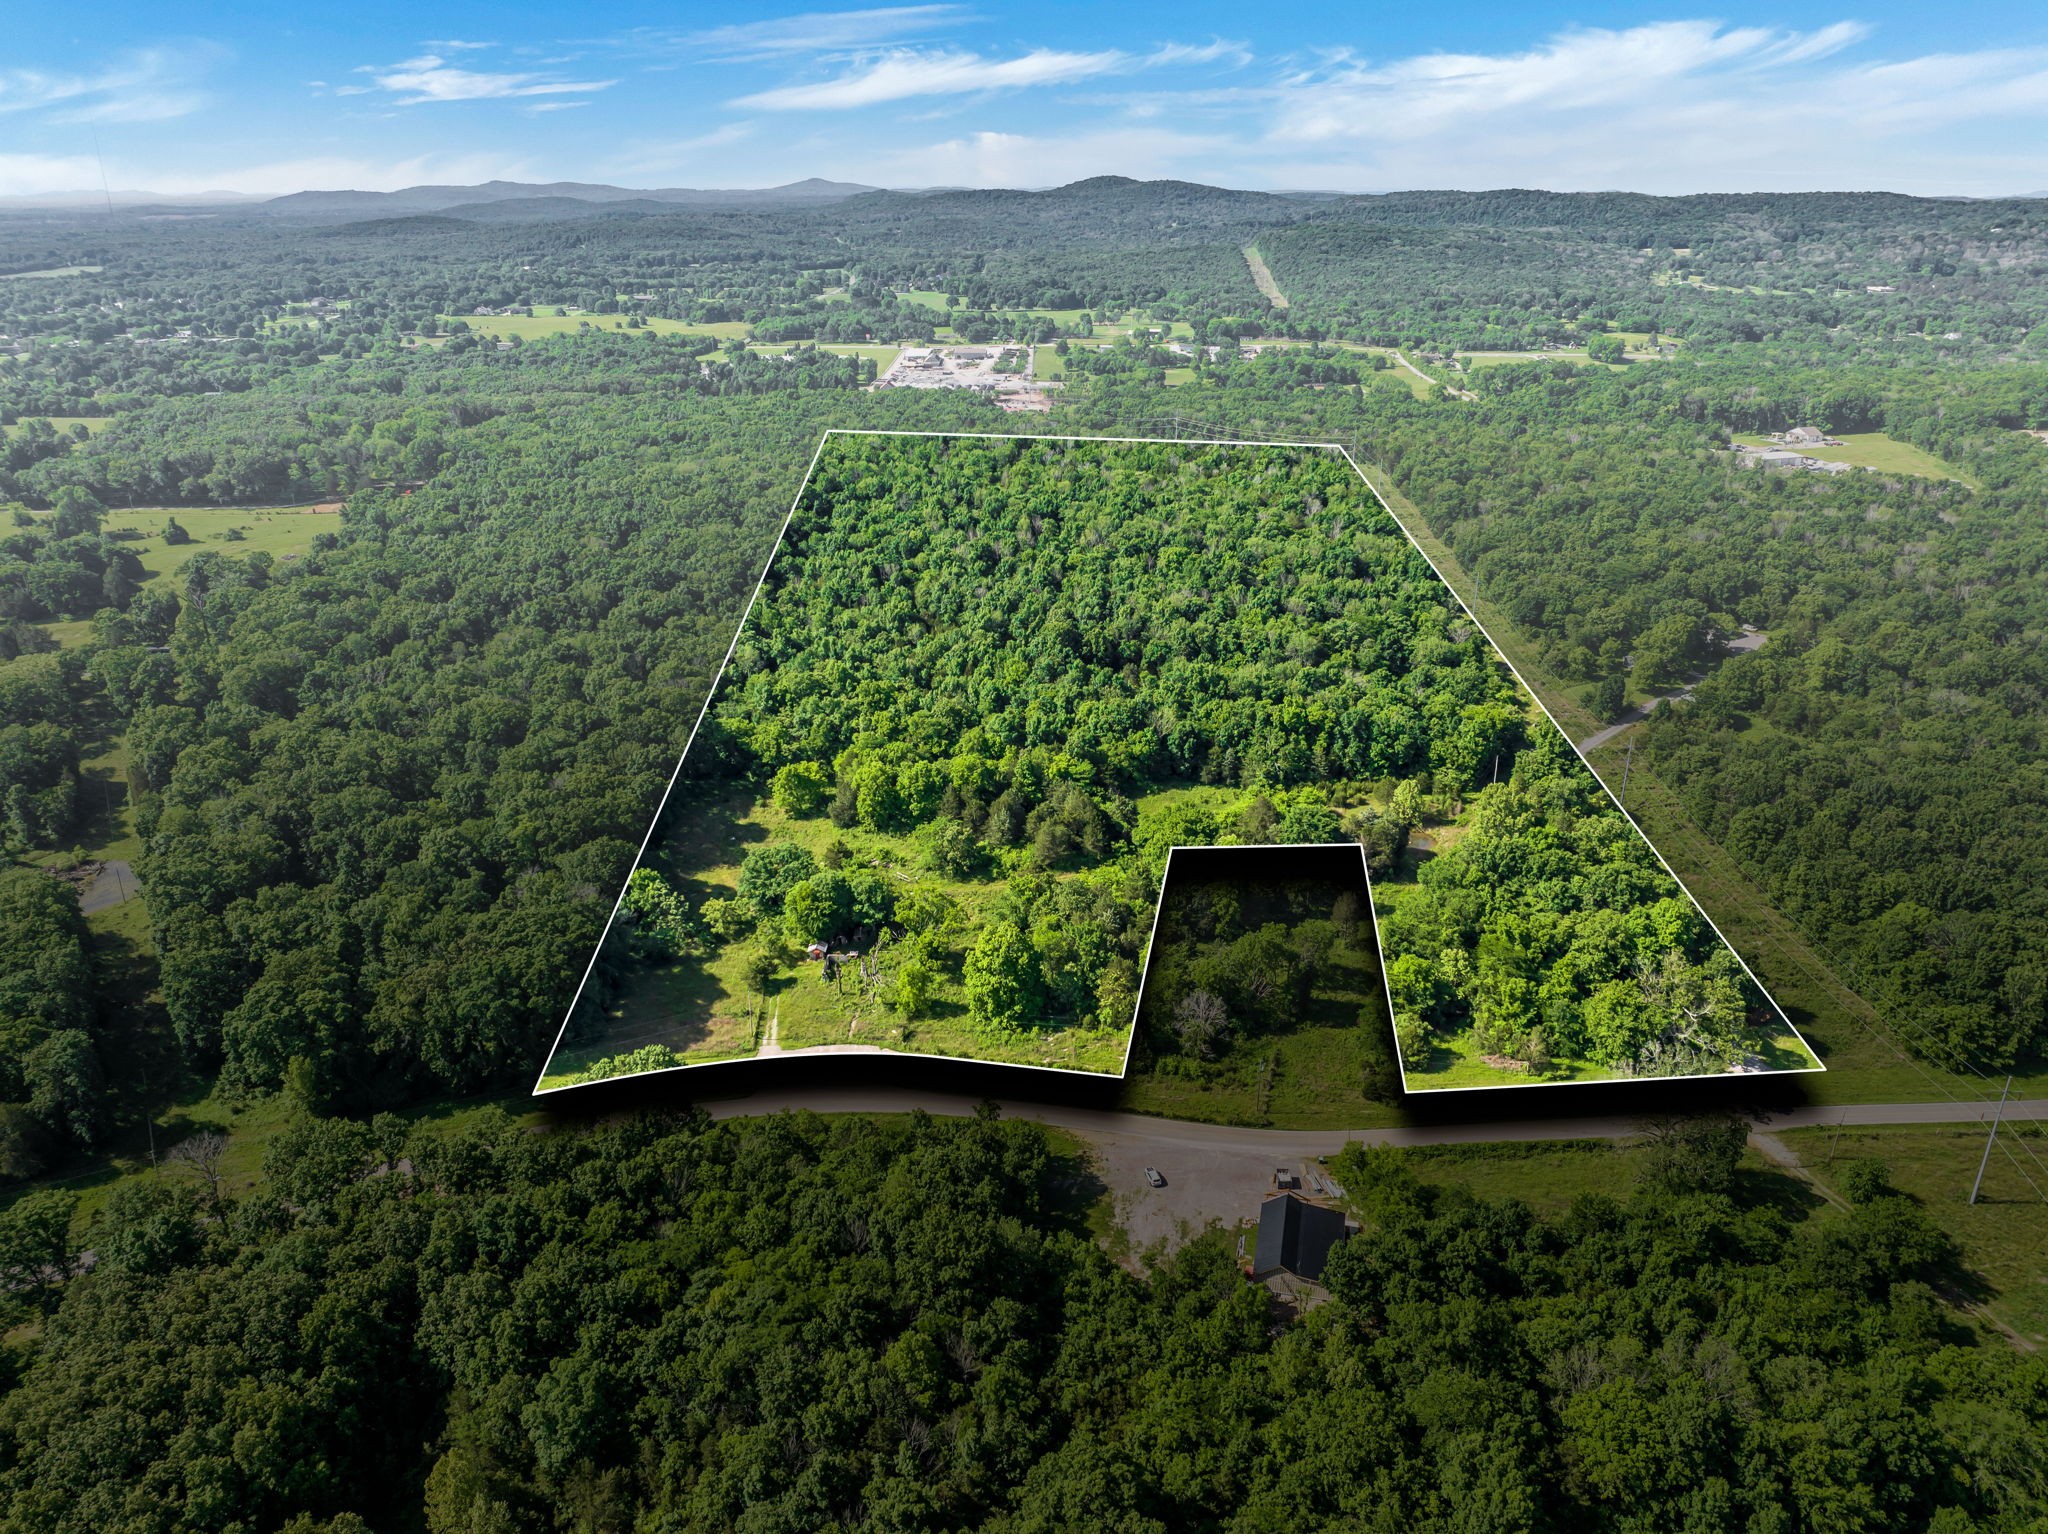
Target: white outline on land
1130, 1037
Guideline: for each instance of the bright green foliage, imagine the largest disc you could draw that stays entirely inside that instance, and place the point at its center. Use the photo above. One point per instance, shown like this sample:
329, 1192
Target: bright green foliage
819, 908
1005, 979
649, 1057
801, 788
1550, 933
768, 873
916, 979
661, 918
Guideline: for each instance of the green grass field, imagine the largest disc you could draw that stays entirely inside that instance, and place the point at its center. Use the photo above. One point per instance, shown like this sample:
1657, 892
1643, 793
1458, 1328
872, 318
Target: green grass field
703, 1009
2004, 1236
1874, 450
63, 423
505, 326
1307, 1079
1547, 1175
281, 531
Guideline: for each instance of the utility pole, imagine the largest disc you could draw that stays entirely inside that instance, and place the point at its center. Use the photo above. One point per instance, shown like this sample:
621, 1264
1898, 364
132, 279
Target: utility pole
1626, 763
1988, 1139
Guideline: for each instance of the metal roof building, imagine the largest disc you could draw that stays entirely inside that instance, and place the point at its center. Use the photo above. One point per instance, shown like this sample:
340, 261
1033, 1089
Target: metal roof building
1297, 1236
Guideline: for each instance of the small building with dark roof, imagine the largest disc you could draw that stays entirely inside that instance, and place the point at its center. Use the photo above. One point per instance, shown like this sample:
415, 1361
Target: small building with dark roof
1296, 1236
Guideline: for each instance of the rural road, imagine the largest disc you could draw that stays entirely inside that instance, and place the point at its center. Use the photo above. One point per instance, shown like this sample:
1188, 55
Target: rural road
114, 883
1216, 1171
1747, 643
1636, 715
1448, 389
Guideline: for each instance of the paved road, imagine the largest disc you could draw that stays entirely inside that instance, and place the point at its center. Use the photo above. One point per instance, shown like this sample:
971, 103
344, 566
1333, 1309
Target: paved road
1169, 1134
1215, 1171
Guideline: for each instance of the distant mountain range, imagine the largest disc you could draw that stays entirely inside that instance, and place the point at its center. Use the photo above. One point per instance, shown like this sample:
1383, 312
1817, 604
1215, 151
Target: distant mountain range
554, 199
1185, 207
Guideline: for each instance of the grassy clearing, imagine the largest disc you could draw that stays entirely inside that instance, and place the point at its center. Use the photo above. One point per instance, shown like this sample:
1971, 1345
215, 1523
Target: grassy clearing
1262, 277
63, 423
505, 326
1307, 1079
1547, 1175
2004, 1236
1877, 451
704, 1010
280, 531
51, 271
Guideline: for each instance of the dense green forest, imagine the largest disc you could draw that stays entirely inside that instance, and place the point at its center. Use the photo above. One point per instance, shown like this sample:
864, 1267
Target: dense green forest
1250, 948
378, 774
793, 1324
1009, 659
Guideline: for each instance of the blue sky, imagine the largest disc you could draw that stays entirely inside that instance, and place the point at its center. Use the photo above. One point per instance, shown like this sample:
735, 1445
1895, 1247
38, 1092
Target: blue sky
268, 98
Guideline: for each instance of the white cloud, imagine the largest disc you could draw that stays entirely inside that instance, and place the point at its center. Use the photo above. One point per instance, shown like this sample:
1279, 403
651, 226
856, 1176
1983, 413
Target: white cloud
824, 31
903, 73
26, 175
430, 78
1579, 70
1671, 106
151, 85
456, 44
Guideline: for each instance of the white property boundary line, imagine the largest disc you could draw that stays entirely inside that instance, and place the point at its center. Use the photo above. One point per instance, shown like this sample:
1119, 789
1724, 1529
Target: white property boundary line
1131, 1037
1762, 990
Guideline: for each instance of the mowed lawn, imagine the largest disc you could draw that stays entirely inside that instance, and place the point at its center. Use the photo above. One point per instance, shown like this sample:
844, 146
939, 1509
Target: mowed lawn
1873, 450
280, 531
2003, 1236
504, 326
